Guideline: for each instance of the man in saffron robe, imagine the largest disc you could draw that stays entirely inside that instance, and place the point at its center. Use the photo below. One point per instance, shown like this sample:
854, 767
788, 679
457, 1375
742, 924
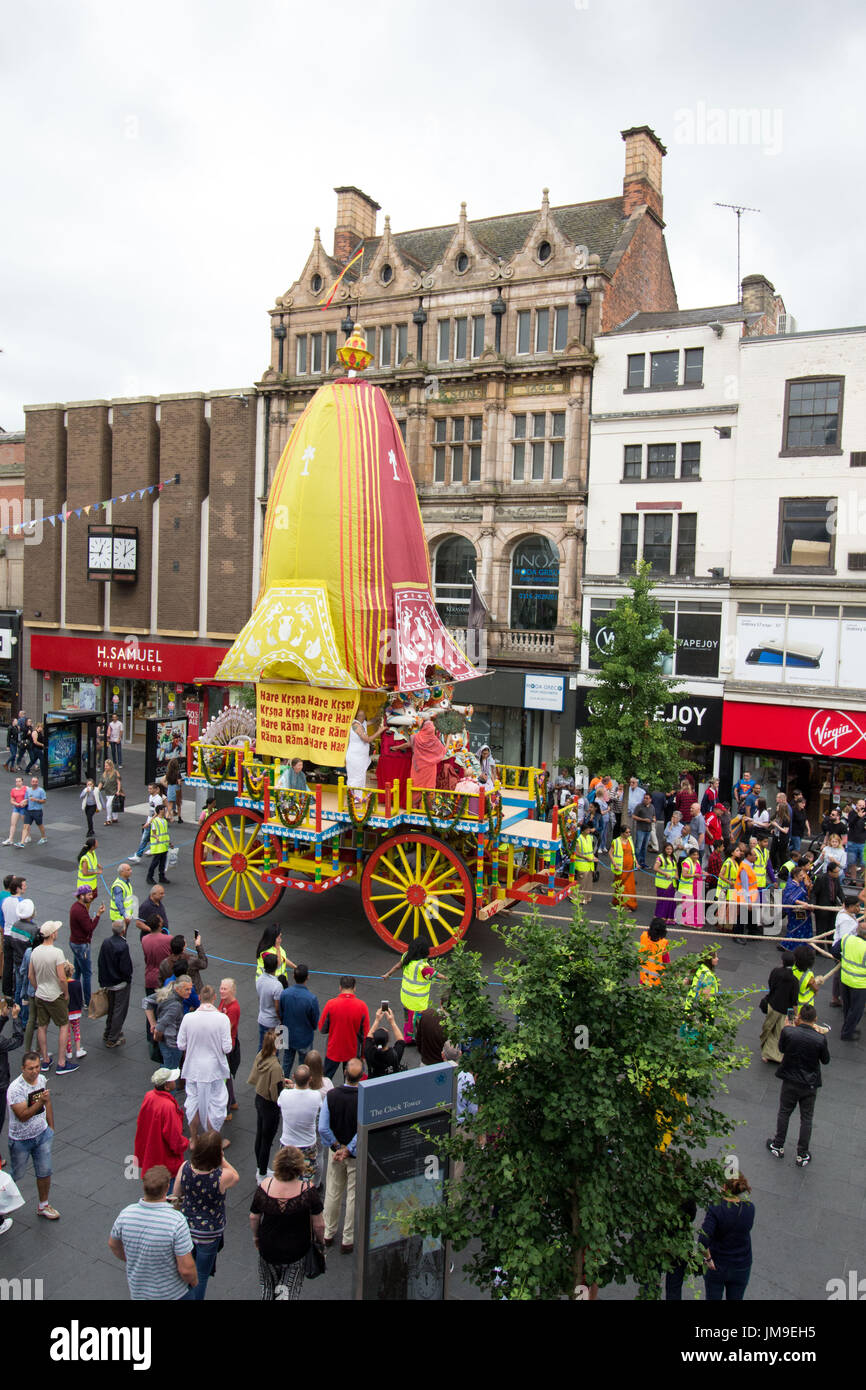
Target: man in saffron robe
428, 751
159, 1136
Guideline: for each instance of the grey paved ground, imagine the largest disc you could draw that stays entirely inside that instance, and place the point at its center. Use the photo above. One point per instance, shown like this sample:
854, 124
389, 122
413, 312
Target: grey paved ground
810, 1226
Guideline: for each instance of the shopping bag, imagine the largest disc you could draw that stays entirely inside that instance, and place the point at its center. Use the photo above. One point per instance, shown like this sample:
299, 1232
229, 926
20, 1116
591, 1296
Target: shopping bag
119, 802
98, 1006
10, 1197
173, 855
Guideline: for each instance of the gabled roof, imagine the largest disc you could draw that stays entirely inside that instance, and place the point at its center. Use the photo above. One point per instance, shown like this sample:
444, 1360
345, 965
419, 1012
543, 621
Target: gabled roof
684, 318
597, 226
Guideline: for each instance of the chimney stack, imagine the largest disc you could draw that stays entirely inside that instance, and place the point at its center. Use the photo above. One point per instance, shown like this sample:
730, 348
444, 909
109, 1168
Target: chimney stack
356, 221
642, 183
759, 296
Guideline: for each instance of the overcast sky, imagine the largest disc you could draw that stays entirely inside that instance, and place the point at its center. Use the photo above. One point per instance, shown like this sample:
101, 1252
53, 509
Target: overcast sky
165, 165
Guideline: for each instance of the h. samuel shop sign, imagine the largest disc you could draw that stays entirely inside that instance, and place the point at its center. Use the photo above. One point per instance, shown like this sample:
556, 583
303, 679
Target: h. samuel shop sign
826, 732
143, 658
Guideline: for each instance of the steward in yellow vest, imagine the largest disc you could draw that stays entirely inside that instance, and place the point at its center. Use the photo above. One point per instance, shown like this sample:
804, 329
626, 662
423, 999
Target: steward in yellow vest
88, 866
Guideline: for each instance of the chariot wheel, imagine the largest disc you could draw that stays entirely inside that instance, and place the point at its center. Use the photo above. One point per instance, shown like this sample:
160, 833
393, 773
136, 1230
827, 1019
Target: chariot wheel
415, 885
229, 860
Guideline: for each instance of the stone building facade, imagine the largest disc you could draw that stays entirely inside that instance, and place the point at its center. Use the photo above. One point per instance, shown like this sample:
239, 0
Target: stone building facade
482, 337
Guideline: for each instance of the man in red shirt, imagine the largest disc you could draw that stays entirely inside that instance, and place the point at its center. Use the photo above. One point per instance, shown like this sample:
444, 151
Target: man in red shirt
155, 945
229, 1006
346, 1022
159, 1136
81, 929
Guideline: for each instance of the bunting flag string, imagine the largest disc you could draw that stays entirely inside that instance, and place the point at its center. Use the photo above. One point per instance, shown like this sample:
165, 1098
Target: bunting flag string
63, 517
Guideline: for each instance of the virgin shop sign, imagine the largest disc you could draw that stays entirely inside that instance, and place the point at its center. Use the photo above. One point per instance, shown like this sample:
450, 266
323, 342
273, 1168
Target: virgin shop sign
826, 732
148, 658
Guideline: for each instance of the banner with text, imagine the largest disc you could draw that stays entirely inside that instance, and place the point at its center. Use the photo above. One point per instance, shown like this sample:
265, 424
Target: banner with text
304, 721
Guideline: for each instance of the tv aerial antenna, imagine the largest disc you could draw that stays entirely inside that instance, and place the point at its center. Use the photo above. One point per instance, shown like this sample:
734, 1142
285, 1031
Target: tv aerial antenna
739, 210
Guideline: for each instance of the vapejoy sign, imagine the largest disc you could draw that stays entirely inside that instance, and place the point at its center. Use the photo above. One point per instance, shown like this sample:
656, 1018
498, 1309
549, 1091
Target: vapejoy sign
834, 734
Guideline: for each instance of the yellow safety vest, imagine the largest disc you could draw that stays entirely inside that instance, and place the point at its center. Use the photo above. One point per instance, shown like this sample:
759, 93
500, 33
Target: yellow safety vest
160, 836
703, 977
761, 857
414, 990
126, 889
853, 961
87, 875
616, 856
282, 968
666, 874
727, 881
584, 854
687, 877
805, 993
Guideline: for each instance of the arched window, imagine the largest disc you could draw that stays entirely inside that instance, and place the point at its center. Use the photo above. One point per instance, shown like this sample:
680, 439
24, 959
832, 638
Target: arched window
534, 585
455, 562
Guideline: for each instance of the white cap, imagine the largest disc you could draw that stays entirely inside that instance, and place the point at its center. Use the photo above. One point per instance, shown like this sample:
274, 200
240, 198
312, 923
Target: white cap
26, 909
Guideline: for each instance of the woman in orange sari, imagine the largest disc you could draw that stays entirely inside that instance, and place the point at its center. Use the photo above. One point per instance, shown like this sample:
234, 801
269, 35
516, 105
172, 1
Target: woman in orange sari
655, 956
622, 862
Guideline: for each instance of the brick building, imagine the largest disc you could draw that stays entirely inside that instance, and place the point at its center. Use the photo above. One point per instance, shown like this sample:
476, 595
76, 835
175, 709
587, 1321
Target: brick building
15, 511
482, 337
136, 643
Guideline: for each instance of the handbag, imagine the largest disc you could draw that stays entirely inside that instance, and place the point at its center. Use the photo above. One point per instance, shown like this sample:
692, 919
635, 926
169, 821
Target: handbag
10, 1197
314, 1261
763, 1003
119, 803
98, 1006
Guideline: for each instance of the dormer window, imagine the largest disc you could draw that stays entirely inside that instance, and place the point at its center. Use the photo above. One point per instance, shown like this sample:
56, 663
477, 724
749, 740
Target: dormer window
545, 251
316, 284
462, 262
387, 274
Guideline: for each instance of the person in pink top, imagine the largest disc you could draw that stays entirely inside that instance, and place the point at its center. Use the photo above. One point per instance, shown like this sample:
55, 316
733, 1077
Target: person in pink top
18, 798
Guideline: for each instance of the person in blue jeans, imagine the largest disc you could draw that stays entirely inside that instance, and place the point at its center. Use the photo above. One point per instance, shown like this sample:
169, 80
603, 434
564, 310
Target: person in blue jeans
299, 1015
200, 1187
643, 819
726, 1236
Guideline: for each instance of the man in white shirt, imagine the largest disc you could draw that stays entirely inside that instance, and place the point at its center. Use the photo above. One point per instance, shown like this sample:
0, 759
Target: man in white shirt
115, 738
845, 923
299, 1108
206, 1038
634, 798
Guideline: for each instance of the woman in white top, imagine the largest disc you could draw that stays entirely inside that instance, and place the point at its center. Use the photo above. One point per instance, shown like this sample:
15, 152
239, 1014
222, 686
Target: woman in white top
488, 767
358, 755
318, 1082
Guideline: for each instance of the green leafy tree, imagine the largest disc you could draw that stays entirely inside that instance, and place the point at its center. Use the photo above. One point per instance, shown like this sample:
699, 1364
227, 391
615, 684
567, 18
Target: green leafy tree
621, 736
596, 1110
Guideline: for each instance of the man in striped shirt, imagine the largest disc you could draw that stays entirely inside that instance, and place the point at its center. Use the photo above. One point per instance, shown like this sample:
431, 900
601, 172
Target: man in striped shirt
154, 1242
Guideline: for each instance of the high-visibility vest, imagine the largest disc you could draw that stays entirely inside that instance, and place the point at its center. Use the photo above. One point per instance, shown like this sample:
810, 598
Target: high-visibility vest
703, 977
616, 856
584, 857
652, 964
87, 874
126, 889
727, 880
282, 967
415, 990
160, 836
788, 867
762, 854
687, 877
666, 873
853, 961
752, 879
805, 991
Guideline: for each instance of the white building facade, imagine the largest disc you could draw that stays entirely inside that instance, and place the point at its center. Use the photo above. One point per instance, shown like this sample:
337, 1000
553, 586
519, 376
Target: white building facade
730, 455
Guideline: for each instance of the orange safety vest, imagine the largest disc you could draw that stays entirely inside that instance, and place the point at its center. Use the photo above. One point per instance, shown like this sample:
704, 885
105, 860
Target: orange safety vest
753, 884
653, 965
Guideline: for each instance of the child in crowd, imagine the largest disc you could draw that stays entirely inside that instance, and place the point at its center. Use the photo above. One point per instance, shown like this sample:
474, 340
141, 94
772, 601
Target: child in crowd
76, 1007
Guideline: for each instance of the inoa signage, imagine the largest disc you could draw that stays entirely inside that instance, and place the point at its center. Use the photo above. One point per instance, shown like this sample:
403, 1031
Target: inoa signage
697, 718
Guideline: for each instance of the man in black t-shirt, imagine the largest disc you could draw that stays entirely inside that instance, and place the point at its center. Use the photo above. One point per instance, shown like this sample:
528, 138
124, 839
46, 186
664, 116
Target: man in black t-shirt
804, 1051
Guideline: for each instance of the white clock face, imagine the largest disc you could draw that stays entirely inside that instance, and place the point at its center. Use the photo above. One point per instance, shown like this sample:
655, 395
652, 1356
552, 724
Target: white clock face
99, 552
124, 552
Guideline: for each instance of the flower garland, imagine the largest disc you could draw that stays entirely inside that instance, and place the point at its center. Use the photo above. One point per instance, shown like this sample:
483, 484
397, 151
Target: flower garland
494, 816
215, 766
569, 828
255, 783
437, 806
291, 808
359, 820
